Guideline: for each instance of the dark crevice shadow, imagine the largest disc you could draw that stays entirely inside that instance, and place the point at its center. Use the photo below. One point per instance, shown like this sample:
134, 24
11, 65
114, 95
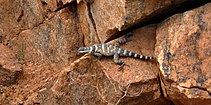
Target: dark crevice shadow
160, 16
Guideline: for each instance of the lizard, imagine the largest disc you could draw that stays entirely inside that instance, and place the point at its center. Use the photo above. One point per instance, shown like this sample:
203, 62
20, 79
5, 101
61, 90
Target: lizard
104, 49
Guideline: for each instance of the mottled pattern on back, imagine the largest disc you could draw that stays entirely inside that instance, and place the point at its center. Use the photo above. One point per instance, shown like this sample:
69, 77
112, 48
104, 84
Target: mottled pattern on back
112, 50
106, 49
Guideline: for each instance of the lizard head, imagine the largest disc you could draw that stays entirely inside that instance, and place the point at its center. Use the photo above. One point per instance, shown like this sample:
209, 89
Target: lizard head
84, 50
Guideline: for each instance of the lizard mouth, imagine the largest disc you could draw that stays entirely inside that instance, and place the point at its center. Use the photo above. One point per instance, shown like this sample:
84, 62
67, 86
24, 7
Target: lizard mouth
82, 50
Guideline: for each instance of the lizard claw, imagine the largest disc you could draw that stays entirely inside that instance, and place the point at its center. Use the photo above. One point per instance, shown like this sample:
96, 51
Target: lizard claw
121, 67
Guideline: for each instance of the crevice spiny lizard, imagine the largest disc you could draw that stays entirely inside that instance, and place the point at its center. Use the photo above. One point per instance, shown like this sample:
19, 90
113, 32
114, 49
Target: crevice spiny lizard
112, 50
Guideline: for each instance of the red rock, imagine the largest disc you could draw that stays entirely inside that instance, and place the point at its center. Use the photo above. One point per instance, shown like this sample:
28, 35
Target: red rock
135, 69
183, 50
22, 15
93, 82
44, 50
88, 28
44, 35
110, 16
9, 66
85, 81
54, 5
56, 40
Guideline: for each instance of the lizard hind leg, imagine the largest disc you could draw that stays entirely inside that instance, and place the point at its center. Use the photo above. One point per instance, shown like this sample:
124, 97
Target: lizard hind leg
124, 40
118, 61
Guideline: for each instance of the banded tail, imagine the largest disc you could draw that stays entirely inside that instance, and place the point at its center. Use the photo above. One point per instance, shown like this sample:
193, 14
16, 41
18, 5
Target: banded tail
132, 54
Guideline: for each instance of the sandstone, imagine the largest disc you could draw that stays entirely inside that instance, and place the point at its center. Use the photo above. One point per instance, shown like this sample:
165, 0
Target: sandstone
88, 28
91, 81
43, 51
55, 40
39, 62
135, 69
19, 15
86, 82
183, 50
54, 5
9, 66
110, 16
22, 15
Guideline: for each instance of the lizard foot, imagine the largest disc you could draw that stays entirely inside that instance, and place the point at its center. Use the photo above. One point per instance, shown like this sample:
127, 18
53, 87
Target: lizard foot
121, 67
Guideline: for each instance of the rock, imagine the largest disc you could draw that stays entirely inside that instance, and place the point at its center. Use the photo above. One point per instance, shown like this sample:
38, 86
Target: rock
55, 40
183, 48
40, 38
82, 82
93, 82
44, 51
135, 69
22, 15
9, 66
55, 5
86, 82
108, 17
88, 28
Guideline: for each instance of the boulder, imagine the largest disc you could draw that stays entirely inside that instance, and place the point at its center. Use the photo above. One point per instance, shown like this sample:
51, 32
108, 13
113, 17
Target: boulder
183, 48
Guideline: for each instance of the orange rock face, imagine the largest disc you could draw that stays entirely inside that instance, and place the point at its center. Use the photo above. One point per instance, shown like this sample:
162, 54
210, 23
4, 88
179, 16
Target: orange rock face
9, 66
90, 81
112, 16
183, 50
39, 63
102, 19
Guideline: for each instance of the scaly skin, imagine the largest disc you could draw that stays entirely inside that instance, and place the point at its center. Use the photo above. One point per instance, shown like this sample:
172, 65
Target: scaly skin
112, 50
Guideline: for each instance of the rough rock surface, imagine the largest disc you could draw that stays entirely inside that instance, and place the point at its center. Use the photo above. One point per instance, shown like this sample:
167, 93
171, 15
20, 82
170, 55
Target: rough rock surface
184, 53
54, 41
135, 70
9, 71
90, 81
17, 16
9, 66
110, 16
39, 62
42, 51
85, 82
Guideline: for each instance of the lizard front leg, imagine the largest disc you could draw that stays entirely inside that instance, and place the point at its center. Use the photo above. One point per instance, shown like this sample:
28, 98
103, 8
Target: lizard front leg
99, 55
118, 61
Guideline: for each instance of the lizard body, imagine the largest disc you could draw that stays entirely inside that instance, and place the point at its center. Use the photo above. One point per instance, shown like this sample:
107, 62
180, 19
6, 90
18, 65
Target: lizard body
111, 50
